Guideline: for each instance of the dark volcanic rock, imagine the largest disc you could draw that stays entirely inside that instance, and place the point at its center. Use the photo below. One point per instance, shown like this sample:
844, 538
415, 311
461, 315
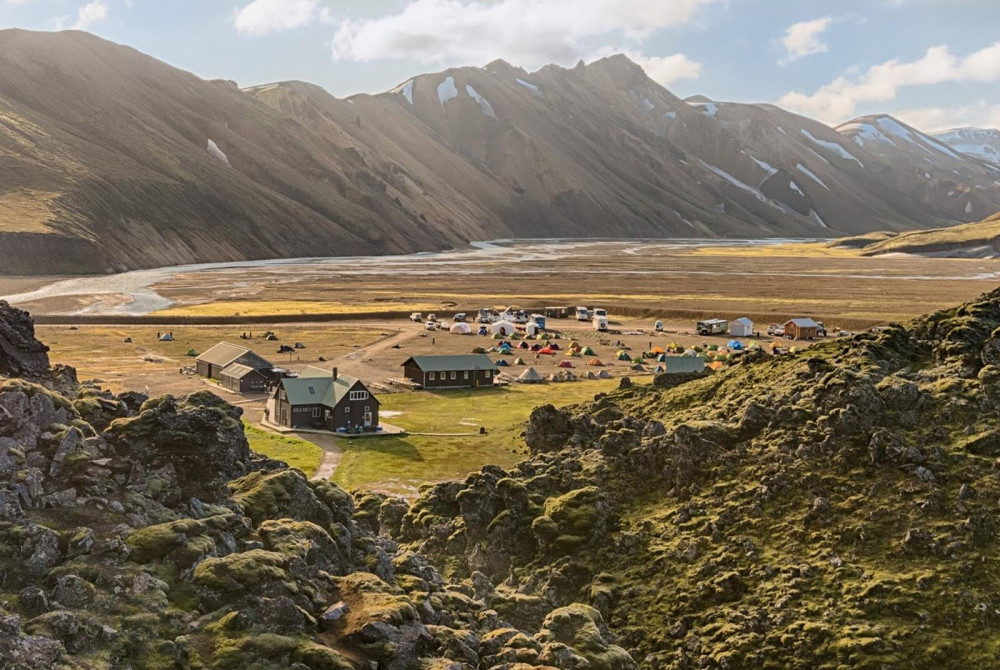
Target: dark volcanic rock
21, 355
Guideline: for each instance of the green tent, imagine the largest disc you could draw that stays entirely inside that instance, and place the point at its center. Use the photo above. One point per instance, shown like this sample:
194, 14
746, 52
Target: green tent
587, 351
518, 361
192, 352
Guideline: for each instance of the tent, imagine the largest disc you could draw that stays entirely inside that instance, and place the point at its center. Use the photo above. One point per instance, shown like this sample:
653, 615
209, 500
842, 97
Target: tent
657, 350
531, 329
536, 347
735, 345
574, 344
552, 345
566, 364
775, 345
716, 365
547, 351
502, 363
573, 353
504, 328
530, 376
524, 345
461, 329
713, 347
622, 355
479, 350
483, 330
166, 337
498, 336
662, 358
660, 369
518, 361
592, 375
638, 366
587, 351
658, 326
753, 345
604, 374
596, 362
192, 352
690, 352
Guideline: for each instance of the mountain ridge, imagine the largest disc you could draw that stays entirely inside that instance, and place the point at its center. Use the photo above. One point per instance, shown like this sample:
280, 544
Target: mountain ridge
114, 160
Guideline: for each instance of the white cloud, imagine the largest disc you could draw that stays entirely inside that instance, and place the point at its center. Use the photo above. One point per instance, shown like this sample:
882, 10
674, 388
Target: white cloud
803, 39
261, 17
528, 32
839, 99
935, 119
91, 13
666, 70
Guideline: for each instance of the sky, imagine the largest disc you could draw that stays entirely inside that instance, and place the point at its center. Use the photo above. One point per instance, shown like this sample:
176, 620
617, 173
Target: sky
932, 63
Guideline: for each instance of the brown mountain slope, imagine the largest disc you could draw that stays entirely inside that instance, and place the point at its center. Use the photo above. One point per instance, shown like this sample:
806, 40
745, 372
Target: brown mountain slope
111, 160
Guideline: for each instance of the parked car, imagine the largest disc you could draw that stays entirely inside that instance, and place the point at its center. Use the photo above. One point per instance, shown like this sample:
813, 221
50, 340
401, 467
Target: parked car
771, 328
417, 317
432, 317
431, 325
779, 332
460, 317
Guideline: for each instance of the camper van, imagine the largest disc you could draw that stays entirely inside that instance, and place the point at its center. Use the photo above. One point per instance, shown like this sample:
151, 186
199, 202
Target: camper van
713, 327
485, 315
600, 312
582, 314
600, 323
416, 317
460, 317
539, 320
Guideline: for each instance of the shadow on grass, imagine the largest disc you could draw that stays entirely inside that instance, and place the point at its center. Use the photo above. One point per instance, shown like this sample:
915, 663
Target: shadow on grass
396, 447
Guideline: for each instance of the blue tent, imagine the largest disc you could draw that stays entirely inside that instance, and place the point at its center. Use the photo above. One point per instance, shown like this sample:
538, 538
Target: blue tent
502, 363
735, 345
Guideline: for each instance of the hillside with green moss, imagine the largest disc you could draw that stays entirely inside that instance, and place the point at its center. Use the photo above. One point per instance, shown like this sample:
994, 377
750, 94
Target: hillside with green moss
971, 240
834, 508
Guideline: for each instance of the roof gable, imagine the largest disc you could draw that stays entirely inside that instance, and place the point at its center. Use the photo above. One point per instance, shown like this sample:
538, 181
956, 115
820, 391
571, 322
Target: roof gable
311, 388
804, 323
223, 353
238, 371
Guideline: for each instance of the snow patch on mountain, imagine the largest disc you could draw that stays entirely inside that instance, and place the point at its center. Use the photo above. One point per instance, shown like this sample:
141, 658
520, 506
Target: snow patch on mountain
483, 104
795, 187
447, 90
528, 85
406, 90
832, 146
968, 207
807, 172
770, 170
709, 108
816, 218
982, 143
215, 152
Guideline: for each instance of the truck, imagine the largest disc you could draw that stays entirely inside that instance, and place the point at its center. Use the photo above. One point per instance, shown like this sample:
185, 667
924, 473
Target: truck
416, 317
539, 320
460, 317
713, 327
485, 315
582, 314
601, 324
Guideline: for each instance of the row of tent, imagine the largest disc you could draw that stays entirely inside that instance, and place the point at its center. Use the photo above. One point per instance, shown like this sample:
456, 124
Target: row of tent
593, 362
532, 376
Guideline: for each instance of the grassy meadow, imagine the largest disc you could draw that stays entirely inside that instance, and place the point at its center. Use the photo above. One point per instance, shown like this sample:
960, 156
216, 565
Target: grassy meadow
400, 465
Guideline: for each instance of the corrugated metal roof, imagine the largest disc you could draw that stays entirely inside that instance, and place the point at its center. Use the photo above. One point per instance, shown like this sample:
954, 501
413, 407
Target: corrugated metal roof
223, 353
804, 323
236, 371
458, 362
315, 386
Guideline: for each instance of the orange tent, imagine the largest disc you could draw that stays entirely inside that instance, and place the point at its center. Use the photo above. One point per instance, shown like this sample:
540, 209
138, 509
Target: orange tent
596, 362
657, 350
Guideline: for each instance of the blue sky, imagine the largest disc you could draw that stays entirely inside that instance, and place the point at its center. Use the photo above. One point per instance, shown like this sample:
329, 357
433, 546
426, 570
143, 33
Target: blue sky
934, 63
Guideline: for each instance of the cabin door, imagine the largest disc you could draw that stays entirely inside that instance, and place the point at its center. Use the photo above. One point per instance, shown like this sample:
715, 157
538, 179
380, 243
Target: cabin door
368, 419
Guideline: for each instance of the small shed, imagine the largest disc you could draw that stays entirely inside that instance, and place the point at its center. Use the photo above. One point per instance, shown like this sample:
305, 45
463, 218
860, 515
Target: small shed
243, 379
802, 329
742, 327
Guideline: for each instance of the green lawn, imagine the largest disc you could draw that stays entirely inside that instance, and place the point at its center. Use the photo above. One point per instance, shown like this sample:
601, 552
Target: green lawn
401, 465
300, 454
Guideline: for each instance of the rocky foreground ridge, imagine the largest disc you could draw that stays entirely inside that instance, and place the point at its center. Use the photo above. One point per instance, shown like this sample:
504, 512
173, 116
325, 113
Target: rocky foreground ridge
830, 509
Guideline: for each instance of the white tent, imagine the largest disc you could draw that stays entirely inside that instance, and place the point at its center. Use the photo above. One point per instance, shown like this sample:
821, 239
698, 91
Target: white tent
742, 327
530, 376
461, 328
504, 328
531, 328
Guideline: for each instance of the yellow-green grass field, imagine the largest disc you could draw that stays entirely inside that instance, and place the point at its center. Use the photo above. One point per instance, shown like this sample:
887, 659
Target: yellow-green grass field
400, 465
298, 453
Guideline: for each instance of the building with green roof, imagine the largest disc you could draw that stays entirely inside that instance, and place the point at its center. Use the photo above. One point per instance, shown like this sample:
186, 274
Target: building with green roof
321, 399
447, 372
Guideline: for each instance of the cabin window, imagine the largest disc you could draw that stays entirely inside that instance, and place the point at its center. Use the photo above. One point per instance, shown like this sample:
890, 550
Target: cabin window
430, 375
487, 374
315, 412
367, 409
466, 373
454, 375
359, 395
312, 391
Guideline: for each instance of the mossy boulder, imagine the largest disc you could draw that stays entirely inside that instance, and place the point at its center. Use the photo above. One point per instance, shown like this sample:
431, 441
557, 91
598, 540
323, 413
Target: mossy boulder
580, 630
308, 542
279, 495
186, 541
572, 519
255, 572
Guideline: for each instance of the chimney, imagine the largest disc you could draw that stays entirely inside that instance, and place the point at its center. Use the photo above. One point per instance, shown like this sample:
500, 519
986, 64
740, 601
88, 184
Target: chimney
335, 374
